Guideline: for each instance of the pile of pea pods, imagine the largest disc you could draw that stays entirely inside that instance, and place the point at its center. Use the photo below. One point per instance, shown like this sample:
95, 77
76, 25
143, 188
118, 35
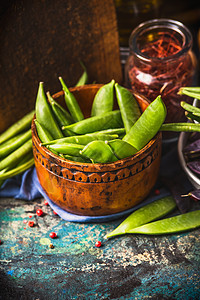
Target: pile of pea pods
16, 153
107, 135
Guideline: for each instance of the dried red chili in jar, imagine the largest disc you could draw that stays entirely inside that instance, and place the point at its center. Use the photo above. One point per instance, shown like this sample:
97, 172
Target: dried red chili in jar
160, 62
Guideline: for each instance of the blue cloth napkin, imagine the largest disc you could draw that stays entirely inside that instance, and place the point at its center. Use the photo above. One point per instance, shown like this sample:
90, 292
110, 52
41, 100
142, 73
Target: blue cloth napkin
27, 187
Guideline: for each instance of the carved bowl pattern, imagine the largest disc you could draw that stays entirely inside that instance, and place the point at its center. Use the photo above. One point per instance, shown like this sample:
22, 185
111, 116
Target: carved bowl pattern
97, 189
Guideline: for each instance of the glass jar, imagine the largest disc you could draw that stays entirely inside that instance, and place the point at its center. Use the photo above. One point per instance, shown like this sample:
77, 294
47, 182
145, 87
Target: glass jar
160, 62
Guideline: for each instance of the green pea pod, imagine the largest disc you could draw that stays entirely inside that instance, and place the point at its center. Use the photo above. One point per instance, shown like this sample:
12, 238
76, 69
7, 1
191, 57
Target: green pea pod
43, 133
105, 121
118, 131
4, 151
84, 77
15, 157
179, 127
193, 92
121, 149
98, 152
71, 103
148, 124
17, 127
192, 116
69, 149
11, 140
62, 116
128, 105
18, 169
44, 114
190, 108
83, 139
77, 158
145, 214
180, 223
103, 100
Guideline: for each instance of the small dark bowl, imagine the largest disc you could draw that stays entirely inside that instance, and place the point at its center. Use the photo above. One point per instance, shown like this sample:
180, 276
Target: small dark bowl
97, 189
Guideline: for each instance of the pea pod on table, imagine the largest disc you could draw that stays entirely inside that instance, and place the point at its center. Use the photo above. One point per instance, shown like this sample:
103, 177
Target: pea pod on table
104, 121
12, 159
148, 124
128, 105
71, 103
145, 214
179, 223
193, 92
19, 126
10, 147
103, 100
44, 114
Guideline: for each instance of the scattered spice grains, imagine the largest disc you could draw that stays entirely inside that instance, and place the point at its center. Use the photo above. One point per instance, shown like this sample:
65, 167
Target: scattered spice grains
51, 246
53, 235
39, 212
98, 244
46, 202
157, 192
31, 223
25, 221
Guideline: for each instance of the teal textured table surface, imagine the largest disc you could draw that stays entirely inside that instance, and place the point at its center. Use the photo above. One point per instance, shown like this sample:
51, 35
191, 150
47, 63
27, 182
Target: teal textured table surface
125, 267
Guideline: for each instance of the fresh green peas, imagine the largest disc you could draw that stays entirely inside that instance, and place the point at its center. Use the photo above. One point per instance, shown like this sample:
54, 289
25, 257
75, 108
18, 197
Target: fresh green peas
193, 92
18, 169
43, 133
62, 116
128, 105
145, 214
190, 108
69, 149
71, 103
103, 100
180, 127
121, 149
147, 125
98, 152
84, 77
21, 125
105, 121
179, 223
83, 139
13, 158
10, 147
44, 114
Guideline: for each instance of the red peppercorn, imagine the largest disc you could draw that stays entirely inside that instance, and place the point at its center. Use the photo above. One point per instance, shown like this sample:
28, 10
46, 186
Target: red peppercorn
39, 212
98, 244
53, 235
55, 213
30, 223
157, 192
30, 216
0, 242
46, 202
24, 221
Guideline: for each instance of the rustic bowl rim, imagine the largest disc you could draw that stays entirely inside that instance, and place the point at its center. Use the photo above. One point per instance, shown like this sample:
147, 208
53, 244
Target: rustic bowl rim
92, 167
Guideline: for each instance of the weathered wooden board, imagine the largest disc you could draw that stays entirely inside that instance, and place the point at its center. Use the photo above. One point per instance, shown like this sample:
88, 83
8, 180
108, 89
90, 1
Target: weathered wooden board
41, 40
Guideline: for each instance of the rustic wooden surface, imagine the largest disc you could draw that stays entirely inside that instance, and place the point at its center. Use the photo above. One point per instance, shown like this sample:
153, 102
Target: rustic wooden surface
41, 40
125, 267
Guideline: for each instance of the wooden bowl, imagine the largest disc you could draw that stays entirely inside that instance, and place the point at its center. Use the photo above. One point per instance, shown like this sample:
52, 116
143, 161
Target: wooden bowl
97, 189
